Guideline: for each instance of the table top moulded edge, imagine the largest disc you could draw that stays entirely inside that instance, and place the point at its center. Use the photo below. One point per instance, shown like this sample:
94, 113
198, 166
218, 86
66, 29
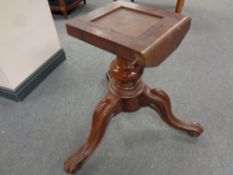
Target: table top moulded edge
153, 46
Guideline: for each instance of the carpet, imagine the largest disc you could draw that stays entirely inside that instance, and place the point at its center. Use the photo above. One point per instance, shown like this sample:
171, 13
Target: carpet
38, 134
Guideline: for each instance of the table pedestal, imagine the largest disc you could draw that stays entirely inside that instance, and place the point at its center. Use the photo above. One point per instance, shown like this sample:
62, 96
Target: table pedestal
127, 93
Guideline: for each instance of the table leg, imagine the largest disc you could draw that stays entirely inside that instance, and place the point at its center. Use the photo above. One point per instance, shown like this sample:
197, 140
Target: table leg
104, 112
179, 5
127, 93
160, 102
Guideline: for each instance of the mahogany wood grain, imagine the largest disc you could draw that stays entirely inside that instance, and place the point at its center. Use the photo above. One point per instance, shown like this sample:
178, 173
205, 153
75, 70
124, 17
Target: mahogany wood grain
64, 8
127, 91
128, 38
179, 5
104, 112
158, 100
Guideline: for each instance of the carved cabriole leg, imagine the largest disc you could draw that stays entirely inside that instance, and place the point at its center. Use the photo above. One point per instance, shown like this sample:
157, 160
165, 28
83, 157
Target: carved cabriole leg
127, 93
104, 112
160, 102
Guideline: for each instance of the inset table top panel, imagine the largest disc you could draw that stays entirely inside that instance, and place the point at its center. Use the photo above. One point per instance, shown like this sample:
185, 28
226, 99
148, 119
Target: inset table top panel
131, 31
127, 21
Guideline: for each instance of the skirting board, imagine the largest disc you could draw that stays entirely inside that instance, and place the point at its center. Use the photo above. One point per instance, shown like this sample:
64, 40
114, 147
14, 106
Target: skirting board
31, 83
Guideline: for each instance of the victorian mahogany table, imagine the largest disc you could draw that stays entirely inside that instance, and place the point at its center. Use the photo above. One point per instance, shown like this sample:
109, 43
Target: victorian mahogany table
141, 37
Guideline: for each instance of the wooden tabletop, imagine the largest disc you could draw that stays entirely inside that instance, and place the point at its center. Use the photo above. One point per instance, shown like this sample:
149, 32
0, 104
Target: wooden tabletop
132, 31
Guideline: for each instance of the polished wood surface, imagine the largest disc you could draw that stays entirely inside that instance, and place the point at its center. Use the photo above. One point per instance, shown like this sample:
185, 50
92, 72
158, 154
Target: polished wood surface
179, 5
161, 32
127, 92
64, 8
119, 21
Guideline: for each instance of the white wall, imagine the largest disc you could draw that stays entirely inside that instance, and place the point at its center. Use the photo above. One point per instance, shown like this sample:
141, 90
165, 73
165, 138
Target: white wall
27, 39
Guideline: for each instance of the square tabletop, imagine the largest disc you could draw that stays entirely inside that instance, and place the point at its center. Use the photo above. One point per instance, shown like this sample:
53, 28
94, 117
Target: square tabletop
130, 31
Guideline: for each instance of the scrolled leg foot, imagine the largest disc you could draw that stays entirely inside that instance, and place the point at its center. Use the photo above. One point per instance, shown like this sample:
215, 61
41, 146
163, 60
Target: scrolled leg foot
108, 108
160, 102
199, 130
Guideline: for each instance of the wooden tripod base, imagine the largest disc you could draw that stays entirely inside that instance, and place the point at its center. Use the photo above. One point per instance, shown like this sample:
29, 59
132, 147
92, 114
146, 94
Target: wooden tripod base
127, 93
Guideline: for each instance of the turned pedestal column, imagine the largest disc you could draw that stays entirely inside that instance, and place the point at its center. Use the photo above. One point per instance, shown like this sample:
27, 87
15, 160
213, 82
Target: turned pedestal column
127, 93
